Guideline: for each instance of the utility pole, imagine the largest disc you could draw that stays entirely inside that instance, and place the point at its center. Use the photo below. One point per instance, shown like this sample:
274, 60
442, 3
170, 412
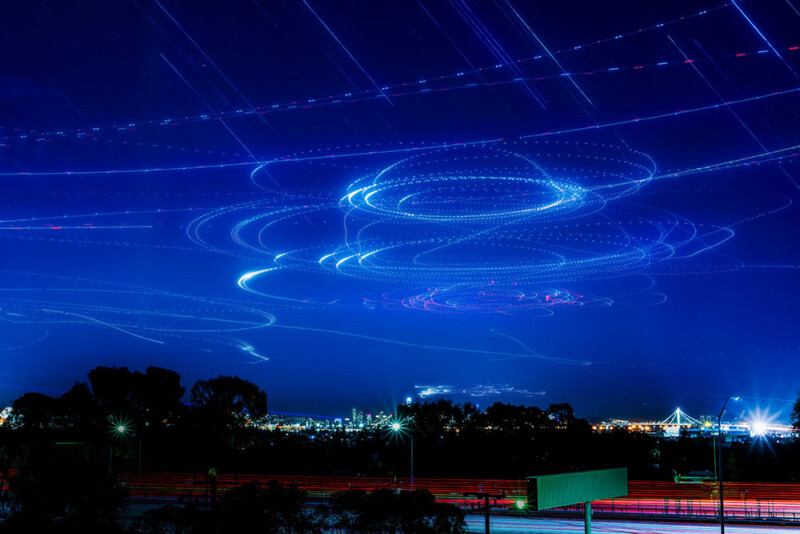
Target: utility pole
487, 512
487, 506
412, 460
398, 428
212, 482
719, 472
719, 465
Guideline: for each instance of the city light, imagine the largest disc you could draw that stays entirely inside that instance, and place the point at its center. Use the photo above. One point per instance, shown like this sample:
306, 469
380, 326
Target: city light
758, 428
760, 423
764, 424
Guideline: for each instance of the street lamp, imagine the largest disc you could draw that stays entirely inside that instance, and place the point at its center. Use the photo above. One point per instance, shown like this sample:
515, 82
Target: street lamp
398, 428
117, 430
121, 428
719, 464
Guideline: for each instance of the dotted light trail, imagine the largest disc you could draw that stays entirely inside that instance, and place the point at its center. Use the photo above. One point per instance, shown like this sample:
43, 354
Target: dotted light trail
355, 96
413, 148
476, 229
535, 215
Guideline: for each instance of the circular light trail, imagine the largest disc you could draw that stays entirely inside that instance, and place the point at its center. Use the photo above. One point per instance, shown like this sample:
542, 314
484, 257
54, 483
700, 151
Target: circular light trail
469, 229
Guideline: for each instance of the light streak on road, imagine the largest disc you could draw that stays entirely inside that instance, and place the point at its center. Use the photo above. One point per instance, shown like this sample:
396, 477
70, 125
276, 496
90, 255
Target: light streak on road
540, 525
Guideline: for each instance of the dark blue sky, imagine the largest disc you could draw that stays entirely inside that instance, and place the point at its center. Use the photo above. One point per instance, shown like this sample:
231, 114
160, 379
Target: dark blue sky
346, 202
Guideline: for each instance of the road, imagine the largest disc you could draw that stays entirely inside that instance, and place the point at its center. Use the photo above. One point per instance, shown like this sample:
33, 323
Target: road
744, 501
542, 525
646, 499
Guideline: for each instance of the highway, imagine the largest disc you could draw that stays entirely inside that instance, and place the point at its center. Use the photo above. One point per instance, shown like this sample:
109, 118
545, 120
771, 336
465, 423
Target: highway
646, 499
543, 525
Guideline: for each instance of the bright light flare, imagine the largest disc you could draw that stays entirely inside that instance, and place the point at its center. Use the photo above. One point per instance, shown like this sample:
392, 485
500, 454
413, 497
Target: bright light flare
758, 428
398, 429
763, 423
120, 426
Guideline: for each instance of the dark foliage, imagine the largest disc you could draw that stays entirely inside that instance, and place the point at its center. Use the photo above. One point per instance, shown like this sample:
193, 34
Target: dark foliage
282, 509
59, 493
274, 509
153, 398
388, 512
228, 401
35, 410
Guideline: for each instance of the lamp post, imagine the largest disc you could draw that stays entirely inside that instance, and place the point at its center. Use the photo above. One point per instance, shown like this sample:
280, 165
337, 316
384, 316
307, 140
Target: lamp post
116, 431
719, 465
397, 428
121, 429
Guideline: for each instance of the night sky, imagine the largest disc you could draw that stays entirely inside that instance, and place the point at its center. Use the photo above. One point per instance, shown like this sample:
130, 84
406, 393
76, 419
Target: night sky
349, 203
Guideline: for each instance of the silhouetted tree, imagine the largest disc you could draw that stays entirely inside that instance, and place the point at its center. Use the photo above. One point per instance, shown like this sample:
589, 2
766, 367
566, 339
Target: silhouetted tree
160, 393
228, 401
563, 414
34, 410
77, 408
430, 418
516, 418
467, 418
795, 416
152, 398
114, 389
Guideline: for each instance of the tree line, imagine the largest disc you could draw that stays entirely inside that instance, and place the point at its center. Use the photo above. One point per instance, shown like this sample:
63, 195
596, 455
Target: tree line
152, 400
213, 429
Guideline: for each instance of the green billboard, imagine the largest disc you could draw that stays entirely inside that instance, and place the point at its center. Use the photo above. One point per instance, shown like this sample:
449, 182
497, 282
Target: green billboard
554, 491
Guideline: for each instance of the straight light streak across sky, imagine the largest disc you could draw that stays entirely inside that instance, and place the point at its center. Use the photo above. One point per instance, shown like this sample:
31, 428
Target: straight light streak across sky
363, 70
415, 148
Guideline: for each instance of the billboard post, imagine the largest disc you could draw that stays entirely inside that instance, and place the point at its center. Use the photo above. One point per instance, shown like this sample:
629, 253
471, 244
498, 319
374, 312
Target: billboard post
587, 517
556, 491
